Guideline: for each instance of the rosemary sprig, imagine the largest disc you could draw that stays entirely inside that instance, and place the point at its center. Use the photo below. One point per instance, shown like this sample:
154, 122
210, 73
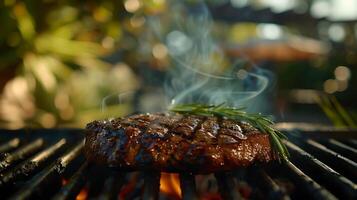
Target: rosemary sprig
259, 121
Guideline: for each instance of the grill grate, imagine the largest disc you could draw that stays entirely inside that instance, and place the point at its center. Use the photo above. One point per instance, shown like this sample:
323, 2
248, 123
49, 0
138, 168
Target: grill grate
48, 164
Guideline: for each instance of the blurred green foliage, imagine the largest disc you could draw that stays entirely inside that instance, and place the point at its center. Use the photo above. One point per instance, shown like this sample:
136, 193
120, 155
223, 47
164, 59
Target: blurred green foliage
59, 59
337, 114
51, 65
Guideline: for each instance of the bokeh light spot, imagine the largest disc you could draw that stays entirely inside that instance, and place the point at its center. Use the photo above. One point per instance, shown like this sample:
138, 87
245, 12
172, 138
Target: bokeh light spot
242, 74
132, 5
342, 73
320, 9
336, 32
137, 21
269, 31
330, 86
178, 42
48, 120
159, 51
108, 42
342, 86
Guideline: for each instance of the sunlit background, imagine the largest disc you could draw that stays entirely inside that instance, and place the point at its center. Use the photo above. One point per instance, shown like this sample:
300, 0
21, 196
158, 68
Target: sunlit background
64, 63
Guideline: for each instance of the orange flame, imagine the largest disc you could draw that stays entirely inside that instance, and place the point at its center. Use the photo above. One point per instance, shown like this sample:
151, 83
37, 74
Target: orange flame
170, 185
83, 194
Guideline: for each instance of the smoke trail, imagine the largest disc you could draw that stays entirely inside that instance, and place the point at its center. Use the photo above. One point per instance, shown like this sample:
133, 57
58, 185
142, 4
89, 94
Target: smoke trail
200, 73
116, 99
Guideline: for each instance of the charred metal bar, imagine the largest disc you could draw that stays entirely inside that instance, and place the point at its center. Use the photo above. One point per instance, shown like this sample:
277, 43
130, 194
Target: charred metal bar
264, 186
346, 150
304, 181
29, 166
188, 186
345, 165
151, 185
20, 154
9, 145
352, 142
112, 187
343, 186
226, 186
74, 185
340, 144
50, 174
137, 182
274, 190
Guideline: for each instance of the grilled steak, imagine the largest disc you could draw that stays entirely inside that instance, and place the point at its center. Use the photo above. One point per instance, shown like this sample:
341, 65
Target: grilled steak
175, 143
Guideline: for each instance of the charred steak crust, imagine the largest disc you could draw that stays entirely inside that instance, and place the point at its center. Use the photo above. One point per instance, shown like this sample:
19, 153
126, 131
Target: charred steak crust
175, 143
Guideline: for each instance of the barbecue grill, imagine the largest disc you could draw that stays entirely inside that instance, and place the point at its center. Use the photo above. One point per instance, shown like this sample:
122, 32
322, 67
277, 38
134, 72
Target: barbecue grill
49, 164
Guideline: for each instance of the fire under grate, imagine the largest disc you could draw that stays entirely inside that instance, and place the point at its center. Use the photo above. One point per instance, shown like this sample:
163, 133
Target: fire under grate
49, 164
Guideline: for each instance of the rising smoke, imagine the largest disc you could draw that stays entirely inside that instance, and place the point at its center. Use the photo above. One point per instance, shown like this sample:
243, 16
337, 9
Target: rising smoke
199, 71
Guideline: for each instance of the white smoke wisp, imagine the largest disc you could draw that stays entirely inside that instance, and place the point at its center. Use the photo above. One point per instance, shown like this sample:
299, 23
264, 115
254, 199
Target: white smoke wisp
123, 98
199, 72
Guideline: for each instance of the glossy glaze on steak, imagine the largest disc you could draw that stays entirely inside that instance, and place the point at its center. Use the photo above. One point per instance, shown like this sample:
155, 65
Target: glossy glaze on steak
175, 143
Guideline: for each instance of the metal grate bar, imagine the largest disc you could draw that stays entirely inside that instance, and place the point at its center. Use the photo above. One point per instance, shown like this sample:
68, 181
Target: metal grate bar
50, 174
21, 153
314, 189
112, 187
74, 185
9, 145
304, 177
346, 147
264, 186
338, 183
151, 185
340, 147
137, 183
226, 186
133, 187
29, 166
274, 190
352, 142
345, 165
188, 186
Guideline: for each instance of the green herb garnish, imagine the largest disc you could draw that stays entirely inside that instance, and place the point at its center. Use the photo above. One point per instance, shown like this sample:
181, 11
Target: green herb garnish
259, 121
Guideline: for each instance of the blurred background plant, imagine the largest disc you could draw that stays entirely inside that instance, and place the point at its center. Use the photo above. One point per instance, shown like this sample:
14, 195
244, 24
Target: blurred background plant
51, 61
337, 114
60, 59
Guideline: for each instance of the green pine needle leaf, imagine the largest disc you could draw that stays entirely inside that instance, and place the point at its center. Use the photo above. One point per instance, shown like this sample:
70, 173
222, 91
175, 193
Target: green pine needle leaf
259, 121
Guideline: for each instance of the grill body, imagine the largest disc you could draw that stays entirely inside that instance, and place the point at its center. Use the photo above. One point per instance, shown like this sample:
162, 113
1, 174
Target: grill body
49, 164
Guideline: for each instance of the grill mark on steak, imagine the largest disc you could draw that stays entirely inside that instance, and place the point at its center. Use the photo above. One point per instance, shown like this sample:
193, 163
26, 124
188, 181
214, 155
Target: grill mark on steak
126, 132
175, 143
154, 134
207, 131
187, 126
142, 128
230, 131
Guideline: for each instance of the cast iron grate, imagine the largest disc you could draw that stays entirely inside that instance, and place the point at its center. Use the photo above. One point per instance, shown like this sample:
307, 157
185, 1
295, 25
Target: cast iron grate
49, 164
